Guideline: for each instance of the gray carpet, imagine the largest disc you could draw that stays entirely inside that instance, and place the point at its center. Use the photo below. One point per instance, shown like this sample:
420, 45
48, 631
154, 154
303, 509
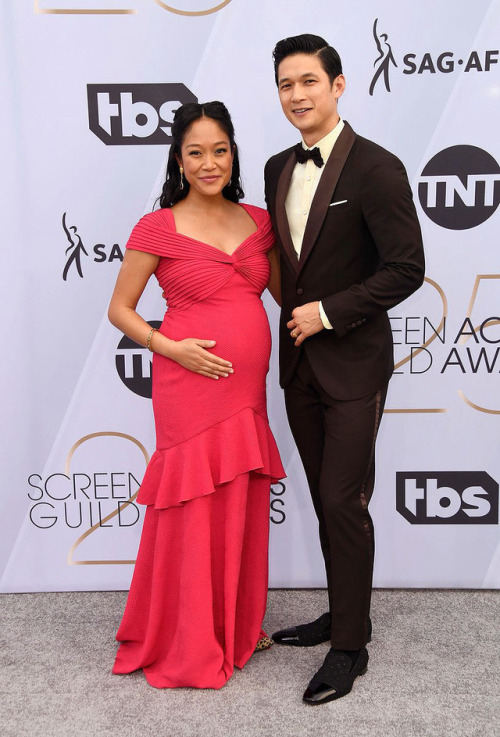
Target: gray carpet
433, 671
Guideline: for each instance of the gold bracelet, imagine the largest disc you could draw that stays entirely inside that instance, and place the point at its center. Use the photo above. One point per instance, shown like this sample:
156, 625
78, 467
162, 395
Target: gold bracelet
148, 339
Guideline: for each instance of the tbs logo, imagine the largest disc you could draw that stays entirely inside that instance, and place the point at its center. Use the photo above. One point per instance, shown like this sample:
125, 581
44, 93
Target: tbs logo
447, 497
135, 114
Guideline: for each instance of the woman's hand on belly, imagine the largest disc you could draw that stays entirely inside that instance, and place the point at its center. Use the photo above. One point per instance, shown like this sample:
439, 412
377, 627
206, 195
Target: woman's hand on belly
192, 354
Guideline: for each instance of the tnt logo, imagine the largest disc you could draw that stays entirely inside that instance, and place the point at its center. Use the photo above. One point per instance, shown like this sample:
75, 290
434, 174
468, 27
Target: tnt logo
447, 497
460, 187
134, 366
135, 114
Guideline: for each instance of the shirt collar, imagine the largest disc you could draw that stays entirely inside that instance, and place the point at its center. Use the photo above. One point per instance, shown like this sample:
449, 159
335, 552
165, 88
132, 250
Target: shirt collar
327, 143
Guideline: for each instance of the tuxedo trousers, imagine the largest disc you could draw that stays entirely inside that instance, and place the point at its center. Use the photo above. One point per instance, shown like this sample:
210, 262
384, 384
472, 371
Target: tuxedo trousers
336, 442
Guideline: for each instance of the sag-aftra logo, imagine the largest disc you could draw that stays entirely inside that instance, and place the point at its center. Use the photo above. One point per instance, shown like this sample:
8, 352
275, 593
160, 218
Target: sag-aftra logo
390, 61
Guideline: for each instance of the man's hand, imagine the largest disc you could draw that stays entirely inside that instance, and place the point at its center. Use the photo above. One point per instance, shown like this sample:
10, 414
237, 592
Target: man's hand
305, 322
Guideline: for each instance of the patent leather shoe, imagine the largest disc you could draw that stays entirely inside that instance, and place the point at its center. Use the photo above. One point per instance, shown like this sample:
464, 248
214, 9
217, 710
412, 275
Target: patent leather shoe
310, 634
306, 635
336, 676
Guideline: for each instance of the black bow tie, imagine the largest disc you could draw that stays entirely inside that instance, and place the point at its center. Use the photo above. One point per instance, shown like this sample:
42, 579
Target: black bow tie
304, 154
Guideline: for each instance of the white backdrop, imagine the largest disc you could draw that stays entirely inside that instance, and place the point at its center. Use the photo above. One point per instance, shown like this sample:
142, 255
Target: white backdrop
89, 87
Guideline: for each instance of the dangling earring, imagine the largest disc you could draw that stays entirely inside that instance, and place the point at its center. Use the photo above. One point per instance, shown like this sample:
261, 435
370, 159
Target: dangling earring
230, 178
182, 176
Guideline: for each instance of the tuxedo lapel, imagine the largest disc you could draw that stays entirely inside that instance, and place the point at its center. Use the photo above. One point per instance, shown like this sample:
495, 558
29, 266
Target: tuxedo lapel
281, 217
324, 192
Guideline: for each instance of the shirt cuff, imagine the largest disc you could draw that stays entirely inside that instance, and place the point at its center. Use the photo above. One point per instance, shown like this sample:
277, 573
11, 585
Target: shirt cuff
326, 322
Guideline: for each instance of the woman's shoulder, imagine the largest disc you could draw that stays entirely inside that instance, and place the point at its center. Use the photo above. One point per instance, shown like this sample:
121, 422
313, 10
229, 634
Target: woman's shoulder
157, 219
264, 235
259, 214
150, 233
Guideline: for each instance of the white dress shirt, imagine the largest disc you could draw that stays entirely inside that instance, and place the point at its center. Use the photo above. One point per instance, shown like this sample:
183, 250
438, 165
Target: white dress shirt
303, 185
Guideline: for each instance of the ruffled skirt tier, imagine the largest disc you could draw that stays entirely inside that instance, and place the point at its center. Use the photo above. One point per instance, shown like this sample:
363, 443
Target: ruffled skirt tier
199, 590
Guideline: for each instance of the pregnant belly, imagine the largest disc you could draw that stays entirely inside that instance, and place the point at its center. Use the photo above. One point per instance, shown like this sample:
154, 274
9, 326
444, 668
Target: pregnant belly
185, 402
241, 331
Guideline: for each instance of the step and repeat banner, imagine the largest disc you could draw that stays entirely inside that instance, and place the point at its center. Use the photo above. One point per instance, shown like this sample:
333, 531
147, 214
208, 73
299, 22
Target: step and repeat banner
90, 87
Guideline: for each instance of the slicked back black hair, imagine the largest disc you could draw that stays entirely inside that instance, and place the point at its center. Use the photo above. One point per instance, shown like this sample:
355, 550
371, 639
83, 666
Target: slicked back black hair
307, 43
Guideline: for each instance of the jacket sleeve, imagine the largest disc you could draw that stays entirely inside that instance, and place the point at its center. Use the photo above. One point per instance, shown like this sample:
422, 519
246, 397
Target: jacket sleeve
390, 216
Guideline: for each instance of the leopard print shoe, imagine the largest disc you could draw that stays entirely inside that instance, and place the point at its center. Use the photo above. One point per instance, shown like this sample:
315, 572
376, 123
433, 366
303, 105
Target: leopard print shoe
263, 643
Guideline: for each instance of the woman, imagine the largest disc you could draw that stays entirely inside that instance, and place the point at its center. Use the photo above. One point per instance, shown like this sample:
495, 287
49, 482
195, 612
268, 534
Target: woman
198, 594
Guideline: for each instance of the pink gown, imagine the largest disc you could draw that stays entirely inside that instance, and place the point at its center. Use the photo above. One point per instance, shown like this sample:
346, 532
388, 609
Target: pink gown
199, 590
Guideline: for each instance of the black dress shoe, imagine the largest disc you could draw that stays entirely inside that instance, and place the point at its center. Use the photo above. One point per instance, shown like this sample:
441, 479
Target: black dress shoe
313, 633
306, 635
336, 676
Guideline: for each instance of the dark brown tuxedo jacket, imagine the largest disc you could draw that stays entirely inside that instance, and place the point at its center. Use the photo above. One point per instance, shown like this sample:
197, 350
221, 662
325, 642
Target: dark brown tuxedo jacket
361, 255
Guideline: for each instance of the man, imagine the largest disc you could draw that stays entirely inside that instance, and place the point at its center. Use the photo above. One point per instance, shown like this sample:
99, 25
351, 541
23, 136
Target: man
351, 249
